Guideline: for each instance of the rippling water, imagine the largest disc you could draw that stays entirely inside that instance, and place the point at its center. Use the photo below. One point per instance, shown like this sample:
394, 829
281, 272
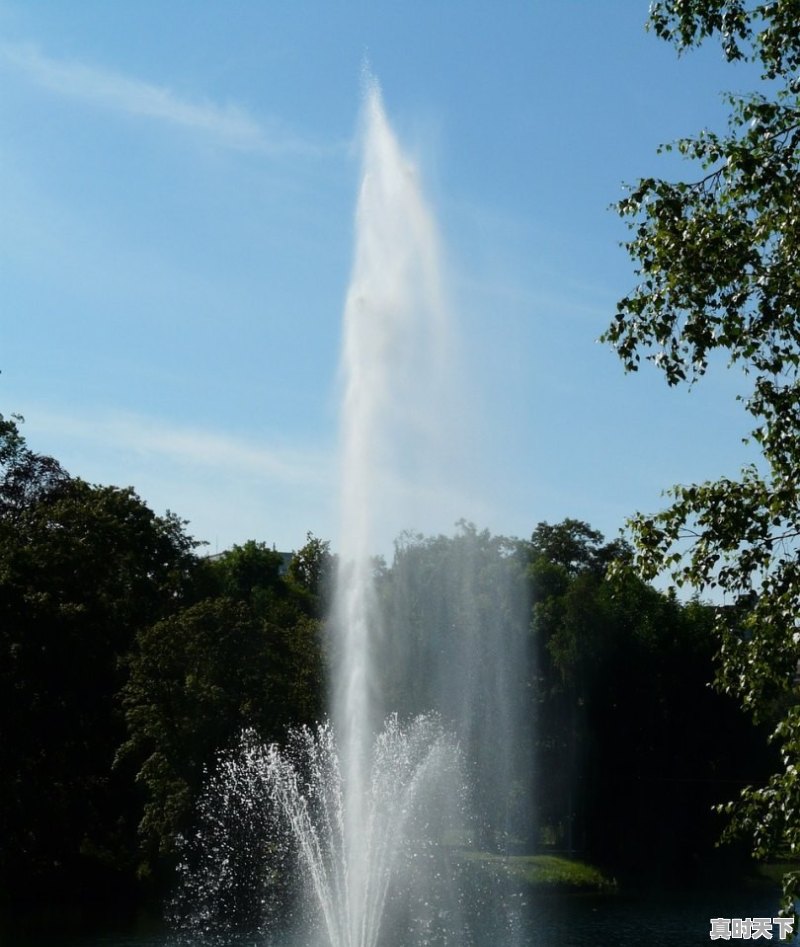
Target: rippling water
573, 921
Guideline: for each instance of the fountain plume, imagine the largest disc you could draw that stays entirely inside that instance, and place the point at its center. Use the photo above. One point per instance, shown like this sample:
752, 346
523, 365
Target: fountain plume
392, 361
360, 807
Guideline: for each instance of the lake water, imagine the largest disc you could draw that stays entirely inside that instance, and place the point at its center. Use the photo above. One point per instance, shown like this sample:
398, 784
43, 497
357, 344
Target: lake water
574, 921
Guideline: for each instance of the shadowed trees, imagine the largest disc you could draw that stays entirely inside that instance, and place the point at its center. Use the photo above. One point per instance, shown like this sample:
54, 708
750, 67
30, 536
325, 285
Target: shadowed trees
82, 568
457, 643
246, 656
128, 663
585, 697
717, 256
634, 748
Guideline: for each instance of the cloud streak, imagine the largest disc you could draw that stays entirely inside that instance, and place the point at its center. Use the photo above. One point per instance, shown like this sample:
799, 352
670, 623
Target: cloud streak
186, 446
229, 125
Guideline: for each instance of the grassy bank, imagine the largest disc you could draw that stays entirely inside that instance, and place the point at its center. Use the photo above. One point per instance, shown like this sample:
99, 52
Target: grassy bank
544, 872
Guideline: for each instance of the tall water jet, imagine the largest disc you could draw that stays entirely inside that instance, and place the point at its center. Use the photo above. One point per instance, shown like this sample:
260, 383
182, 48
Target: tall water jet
367, 809
393, 366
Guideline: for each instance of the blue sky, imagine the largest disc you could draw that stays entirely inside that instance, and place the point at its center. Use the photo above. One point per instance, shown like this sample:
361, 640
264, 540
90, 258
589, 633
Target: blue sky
177, 184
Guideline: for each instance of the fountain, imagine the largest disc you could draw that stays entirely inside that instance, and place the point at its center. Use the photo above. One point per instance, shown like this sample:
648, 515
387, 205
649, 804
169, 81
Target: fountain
370, 810
394, 313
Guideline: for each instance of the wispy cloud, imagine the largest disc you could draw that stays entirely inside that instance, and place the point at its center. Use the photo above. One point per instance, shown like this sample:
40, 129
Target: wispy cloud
229, 488
230, 125
186, 446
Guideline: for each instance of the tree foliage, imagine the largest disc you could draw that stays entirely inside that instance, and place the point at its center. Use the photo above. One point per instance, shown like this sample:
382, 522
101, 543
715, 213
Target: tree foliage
82, 568
633, 748
247, 655
455, 641
127, 663
718, 261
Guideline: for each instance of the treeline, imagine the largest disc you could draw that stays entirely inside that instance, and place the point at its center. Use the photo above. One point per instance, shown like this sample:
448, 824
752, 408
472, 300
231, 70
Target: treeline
636, 747
128, 660
582, 694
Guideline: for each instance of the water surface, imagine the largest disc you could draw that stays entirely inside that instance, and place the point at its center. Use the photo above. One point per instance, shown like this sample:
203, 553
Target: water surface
573, 921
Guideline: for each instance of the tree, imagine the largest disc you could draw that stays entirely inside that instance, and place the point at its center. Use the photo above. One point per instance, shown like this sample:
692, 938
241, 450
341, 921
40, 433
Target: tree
82, 568
454, 640
245, 656
196, 678
24, 475
718, 259
633, 748
311, 573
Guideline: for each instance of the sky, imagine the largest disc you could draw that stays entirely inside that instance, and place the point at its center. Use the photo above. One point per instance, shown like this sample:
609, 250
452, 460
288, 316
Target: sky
177, 191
